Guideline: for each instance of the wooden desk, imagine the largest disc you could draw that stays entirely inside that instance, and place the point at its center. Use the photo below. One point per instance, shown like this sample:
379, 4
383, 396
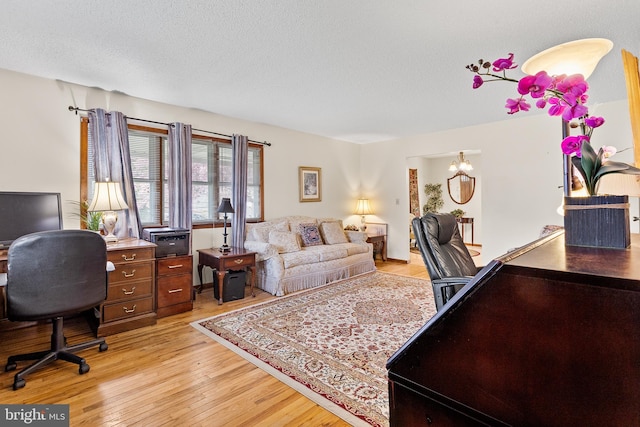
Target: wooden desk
463, 221
235, 259
547, 335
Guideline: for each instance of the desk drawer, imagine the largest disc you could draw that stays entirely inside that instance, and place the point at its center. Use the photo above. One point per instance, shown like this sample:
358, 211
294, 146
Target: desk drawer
237, 262
174, 290
131, 255
131, 272
177, 265
125, 309
129, 290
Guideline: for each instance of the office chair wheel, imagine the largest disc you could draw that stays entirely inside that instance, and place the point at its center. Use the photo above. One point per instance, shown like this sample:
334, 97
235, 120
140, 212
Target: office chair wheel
103, 347
84, 368
18, 384
10, 367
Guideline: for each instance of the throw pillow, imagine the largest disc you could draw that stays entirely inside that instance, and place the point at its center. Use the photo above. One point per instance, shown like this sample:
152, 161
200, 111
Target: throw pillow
284, 241
332, 233
310, 234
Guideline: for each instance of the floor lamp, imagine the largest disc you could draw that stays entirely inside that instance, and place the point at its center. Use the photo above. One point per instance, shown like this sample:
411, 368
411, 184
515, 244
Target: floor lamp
576, 57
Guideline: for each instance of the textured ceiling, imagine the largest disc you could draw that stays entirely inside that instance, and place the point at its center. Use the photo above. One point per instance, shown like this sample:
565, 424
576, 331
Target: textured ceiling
356, 70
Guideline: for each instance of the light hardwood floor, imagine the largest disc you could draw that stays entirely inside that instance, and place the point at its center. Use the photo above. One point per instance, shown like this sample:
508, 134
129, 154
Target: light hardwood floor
167, 374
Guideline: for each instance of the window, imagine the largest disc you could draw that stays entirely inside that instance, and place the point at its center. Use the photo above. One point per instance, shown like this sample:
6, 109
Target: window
212, 171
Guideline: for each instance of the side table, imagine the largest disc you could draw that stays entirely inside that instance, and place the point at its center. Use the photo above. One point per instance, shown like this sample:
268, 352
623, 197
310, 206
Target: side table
379, 242
221, 262
462, 221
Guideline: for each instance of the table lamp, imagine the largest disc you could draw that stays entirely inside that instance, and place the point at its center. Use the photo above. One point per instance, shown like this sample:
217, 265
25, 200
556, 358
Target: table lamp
107, 198
363, 208
225, 207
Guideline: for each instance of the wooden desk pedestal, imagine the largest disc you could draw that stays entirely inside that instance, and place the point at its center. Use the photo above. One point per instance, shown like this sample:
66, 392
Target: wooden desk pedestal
175, 285
131, 295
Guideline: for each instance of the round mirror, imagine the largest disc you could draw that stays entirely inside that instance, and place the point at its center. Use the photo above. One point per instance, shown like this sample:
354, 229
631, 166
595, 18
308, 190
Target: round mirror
461, 187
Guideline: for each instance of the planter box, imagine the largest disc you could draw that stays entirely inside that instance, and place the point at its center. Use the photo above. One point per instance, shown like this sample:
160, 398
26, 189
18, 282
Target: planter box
597, 221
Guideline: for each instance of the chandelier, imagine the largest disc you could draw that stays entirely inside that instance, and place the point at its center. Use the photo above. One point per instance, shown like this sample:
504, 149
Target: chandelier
462, 164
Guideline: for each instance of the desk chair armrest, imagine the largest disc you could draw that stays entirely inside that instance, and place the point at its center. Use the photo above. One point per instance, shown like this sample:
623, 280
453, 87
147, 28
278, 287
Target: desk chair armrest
450, 281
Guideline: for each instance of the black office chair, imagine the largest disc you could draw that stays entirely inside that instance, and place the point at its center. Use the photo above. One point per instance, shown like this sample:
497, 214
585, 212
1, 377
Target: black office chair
447, 259
52, 274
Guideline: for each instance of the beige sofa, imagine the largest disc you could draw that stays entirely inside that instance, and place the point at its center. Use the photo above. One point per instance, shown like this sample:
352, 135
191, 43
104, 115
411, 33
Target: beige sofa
300, 252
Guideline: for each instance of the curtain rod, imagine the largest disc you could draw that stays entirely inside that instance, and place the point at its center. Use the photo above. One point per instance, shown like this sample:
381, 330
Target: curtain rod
76, 109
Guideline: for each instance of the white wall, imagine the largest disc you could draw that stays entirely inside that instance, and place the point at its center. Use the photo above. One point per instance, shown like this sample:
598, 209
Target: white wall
520, 180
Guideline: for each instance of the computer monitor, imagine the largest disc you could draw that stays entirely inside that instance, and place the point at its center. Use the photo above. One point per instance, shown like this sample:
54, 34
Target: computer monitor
28, 212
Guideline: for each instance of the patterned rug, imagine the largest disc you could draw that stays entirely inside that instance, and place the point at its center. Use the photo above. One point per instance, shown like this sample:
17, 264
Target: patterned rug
332, 343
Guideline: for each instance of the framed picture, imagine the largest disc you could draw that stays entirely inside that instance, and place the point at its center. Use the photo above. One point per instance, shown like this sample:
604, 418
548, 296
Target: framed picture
310, 184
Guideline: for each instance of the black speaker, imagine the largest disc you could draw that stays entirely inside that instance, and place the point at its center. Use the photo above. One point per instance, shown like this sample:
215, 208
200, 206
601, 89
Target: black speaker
233, 287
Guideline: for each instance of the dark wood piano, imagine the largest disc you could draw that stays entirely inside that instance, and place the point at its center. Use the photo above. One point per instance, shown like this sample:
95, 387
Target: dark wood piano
546, 335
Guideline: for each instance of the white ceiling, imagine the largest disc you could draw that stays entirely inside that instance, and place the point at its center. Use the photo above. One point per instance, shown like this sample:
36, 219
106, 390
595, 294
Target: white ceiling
356, 70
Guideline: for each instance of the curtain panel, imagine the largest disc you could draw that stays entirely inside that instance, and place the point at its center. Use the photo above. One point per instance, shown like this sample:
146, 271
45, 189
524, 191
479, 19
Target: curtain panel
240, 153
112, 162
179, 165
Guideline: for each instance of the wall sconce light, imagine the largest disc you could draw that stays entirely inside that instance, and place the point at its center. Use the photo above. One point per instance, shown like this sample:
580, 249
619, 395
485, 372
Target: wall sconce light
225, 207
363, 208
108, 198
461, 165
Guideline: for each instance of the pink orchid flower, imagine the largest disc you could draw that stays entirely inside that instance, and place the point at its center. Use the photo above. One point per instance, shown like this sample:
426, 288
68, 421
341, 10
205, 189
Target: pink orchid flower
502, 64
573, 144
574, 85
535, 85
515, 105
556, 106
594, 122
477, 81
608, 151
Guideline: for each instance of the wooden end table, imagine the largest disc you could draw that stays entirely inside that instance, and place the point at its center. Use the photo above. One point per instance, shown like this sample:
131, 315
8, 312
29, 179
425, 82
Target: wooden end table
221, 262
379, 242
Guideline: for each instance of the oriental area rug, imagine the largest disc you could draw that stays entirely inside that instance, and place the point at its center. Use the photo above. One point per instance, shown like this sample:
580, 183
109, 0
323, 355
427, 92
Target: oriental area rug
332, 343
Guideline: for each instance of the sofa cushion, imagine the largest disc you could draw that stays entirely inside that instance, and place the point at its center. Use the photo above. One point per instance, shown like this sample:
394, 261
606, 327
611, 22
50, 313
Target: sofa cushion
293, 259
332, 233
284, 241
355, 248
310, 234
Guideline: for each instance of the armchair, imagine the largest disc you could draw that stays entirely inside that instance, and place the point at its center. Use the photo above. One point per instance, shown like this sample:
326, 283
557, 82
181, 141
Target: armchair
447, 259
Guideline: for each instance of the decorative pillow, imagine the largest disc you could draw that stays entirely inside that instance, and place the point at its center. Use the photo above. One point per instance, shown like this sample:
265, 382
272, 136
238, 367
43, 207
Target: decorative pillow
284, 241
332, 233
310, 234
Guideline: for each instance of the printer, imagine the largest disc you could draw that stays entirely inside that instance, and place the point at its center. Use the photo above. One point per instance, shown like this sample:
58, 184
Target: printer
169, 241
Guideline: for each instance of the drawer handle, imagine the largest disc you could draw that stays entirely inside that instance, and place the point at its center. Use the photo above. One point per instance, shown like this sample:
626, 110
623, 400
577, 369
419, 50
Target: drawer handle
173, 291
126, 310
133, 272
133, 289
175, 266
238, 261
124, 257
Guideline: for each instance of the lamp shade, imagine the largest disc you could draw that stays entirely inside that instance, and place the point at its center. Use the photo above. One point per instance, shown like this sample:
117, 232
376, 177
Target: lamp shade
225, 206
363, 207
619, 184
576, 57
107, 196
